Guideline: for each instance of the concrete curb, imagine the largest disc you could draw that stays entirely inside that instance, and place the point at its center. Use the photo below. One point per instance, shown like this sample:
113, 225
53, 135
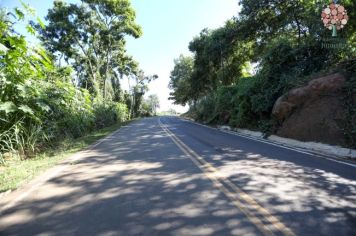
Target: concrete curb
319, 148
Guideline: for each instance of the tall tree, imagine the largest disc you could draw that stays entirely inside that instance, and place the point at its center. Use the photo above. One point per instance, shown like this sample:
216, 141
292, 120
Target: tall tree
138, 91
180, 81
219, 56
91, 36
153, 102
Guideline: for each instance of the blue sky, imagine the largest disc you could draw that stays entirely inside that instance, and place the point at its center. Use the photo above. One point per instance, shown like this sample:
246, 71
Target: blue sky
168, 27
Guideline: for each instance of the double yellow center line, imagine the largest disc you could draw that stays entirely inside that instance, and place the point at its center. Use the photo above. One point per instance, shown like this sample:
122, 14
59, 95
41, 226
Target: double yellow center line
267, 223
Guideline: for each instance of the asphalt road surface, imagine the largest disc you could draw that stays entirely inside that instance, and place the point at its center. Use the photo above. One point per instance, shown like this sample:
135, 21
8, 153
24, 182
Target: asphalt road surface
167, 176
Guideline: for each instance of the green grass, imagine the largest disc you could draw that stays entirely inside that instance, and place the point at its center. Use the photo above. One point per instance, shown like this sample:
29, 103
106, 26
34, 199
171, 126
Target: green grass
17, 172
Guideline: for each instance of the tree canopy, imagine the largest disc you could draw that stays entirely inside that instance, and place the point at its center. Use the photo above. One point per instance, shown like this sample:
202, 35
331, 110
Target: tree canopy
283, 40
91, 36
221, 56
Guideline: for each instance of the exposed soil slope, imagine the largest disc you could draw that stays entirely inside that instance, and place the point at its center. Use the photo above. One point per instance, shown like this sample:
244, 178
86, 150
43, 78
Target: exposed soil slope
314, 112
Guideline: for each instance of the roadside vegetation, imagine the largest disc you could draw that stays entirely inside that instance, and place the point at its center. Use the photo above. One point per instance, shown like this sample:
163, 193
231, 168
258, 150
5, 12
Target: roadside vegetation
66, 88
237, 72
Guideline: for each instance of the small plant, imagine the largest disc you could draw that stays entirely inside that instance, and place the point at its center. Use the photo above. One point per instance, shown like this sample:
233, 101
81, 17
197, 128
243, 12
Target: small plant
8, 140
267, 127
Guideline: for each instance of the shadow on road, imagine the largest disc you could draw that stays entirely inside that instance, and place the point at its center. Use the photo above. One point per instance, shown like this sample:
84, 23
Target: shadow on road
310, 195
136, 183
139, 183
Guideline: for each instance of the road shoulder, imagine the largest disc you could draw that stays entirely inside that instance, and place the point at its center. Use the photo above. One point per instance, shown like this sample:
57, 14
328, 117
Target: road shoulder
336, 153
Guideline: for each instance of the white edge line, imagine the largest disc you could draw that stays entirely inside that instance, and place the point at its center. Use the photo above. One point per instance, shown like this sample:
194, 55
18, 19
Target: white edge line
267, 142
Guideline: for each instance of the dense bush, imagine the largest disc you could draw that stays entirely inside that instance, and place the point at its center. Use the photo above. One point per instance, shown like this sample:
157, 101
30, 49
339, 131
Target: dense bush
22, 91
249, 102
242, 114
39, 103
108, 113
349, 126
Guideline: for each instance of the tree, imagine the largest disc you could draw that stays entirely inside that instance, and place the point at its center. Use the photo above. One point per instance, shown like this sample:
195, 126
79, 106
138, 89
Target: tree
91, 37
219, 60
153, 102
298, 20
219, 57
180, 81
284, 41
138, 91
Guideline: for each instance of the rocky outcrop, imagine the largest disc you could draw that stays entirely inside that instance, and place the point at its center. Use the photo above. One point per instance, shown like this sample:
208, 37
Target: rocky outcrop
285, 105
314, 112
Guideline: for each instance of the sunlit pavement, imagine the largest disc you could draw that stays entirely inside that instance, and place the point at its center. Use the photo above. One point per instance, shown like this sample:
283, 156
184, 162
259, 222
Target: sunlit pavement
144, 181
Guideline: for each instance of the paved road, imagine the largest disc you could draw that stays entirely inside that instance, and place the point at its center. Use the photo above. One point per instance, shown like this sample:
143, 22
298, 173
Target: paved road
166, 176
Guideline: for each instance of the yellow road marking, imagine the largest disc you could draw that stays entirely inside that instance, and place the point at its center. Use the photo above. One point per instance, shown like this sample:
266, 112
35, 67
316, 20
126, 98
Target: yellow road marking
211, 172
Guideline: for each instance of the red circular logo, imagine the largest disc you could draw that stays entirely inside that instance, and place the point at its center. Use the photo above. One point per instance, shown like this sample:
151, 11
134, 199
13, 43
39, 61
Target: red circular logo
334, 16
